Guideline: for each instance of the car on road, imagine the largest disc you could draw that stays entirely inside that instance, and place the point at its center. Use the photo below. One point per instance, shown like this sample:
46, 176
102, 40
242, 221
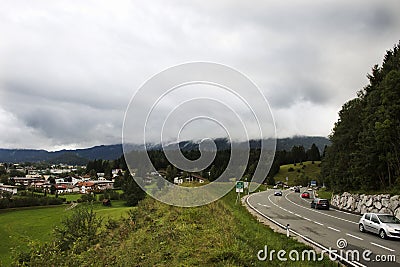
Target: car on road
305, 195
275, 187
297, 190
320, 203
278, 193
385, 225
309, 189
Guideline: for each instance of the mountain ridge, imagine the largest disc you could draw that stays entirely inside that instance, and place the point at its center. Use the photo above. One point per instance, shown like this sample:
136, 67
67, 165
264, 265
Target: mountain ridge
111, 152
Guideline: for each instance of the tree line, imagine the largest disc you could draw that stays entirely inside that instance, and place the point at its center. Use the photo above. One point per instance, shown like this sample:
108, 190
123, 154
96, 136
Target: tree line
365, 149
159, 161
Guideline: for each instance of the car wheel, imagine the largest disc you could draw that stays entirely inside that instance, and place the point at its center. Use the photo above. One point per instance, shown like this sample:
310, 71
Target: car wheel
361, 227
382, 234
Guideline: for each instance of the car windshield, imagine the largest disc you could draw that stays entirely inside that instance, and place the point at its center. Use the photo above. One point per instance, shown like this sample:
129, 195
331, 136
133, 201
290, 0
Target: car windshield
388, 219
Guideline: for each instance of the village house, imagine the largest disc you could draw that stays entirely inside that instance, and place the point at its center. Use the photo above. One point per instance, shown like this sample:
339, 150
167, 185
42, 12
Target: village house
115, 172
87, 187
27, 181
9, 188
178, 180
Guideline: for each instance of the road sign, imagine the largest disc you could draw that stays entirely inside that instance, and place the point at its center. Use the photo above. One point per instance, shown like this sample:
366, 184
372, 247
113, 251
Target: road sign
287, 178
246, 184
239, 186
313, 183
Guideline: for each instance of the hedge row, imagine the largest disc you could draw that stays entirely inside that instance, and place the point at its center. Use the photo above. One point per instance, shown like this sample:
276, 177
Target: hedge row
17, 202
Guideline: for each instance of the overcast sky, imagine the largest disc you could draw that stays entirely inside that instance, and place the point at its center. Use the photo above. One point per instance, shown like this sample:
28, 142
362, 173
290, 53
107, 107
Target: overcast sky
69, 68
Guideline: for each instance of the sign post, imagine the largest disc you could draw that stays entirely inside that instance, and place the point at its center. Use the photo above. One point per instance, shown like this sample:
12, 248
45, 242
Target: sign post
239, 189
246, 185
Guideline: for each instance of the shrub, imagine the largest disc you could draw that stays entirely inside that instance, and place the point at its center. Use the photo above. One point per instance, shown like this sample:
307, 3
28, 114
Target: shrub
290, 169
87, 198
110, 194
79, 230
112, 224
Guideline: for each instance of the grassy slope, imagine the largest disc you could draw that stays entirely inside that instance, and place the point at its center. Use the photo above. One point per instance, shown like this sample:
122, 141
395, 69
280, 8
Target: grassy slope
18, 227
219, 234
311, 171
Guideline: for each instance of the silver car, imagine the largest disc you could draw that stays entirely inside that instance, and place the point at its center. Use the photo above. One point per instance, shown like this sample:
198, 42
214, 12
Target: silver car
385, 225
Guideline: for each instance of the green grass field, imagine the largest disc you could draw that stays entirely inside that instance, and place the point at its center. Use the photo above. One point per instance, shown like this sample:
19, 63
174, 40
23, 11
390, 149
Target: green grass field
20, 226
309, 170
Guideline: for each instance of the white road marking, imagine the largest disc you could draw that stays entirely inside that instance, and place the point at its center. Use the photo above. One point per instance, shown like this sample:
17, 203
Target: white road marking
338, 218
358, 264
354, 236
264, 205
307, 219
334, 229
298, 215
375, 244
348, 213
319, 223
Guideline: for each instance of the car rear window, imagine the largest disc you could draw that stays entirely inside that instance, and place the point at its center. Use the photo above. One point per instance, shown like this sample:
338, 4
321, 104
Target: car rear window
323, 201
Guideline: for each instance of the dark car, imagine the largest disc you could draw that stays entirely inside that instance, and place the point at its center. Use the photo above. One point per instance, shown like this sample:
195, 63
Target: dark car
278, 193
320, 203
297, 189
305, 195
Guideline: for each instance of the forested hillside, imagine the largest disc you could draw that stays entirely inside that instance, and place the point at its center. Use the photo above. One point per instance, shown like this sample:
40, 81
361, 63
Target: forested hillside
364, 154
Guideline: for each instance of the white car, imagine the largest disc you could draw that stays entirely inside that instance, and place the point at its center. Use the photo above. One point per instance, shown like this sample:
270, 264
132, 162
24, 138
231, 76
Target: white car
385, 225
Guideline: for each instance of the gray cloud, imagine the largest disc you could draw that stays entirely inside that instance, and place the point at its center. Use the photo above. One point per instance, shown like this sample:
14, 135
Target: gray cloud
68, 69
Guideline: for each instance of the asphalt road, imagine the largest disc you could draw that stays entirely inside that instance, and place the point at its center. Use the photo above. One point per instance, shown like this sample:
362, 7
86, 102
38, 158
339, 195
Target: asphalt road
326, 227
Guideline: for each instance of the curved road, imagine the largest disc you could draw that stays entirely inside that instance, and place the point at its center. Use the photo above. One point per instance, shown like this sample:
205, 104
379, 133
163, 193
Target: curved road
325, 226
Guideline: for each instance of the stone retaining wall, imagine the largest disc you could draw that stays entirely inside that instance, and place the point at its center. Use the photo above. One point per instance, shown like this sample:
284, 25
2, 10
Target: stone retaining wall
361, 204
